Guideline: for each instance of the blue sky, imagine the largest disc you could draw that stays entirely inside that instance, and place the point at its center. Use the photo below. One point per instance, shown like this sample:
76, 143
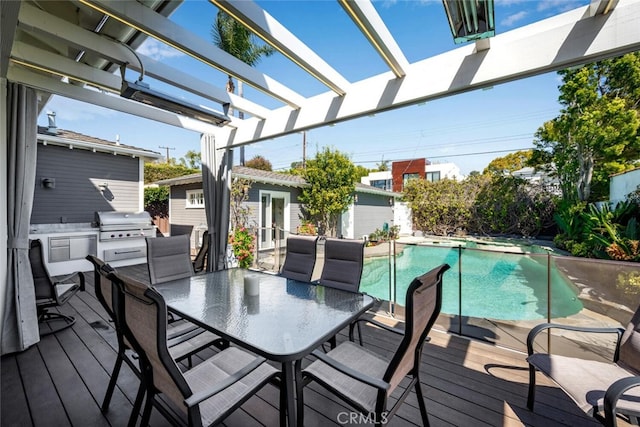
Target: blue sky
469, 129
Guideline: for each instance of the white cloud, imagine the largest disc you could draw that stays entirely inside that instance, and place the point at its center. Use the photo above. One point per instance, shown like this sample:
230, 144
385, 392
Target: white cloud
158, 51
512, 19
68, 110
509, 2
560, 5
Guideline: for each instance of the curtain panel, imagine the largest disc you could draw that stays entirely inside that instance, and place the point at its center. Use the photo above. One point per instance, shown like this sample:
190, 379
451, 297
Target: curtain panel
216, 186
20, 322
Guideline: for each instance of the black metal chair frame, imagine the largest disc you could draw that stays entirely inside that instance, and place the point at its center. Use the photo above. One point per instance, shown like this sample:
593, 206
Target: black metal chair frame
46, 292
613, 392
147, 387
201, 259
101, 272
382, 415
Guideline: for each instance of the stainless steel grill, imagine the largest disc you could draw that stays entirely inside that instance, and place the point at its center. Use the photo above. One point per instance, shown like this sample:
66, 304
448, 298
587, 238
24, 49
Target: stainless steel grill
124, 225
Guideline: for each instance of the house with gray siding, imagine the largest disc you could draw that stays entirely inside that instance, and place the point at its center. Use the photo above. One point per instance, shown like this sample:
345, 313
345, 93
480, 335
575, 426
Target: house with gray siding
273, 203
76, 176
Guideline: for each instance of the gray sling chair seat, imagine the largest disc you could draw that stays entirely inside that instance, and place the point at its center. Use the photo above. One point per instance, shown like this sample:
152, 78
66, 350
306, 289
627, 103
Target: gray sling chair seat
203, 395
365, 379
184, 339
342, 269
596, 387
300, 259
51, 293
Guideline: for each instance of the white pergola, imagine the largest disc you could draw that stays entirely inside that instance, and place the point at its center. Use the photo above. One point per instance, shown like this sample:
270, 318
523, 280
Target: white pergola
82, 40
74, 48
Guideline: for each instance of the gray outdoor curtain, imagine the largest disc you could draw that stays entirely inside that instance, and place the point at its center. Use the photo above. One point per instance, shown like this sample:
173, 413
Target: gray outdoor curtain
20, 322
216, 186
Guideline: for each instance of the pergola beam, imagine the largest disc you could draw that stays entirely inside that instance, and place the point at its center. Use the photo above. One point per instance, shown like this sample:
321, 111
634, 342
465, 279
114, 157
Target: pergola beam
38, 22
571, 39
142, 18
44, 83
367, 19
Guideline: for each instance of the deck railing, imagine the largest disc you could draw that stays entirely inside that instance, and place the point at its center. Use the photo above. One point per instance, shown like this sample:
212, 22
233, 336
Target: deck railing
497, 294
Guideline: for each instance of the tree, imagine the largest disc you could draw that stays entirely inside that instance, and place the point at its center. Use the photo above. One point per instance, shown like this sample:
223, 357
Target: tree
509, 163
330, 177
360, 172
156, 171
383, 166
596, 133
235, 39
441, 208
192, 159
259, 162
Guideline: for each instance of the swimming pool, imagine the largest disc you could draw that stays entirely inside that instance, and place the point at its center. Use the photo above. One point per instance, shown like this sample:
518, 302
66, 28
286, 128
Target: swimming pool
495, 285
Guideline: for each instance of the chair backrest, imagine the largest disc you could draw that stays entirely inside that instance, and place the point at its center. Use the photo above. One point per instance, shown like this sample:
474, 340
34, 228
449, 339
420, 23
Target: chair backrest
423, 302
144, 315
102, 285
41, 279
168, 258
300, 259
343, 260
199, 263
630, 344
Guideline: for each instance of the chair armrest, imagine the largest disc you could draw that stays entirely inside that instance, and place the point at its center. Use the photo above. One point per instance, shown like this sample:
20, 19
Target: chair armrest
198, 398
612, 395
544, 326
356, 375
381, 325
65, 279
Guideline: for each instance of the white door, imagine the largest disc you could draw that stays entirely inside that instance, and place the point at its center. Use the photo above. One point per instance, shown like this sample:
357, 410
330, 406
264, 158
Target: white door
274, 218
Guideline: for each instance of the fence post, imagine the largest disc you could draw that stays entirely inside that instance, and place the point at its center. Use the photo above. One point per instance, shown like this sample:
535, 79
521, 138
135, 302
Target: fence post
459, 289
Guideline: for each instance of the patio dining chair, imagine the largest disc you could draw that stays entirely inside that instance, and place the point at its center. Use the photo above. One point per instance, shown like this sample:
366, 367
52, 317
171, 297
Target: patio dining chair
200, 261
367, 380
603, 390
300, 258
343, 260
342, 269
184, 339
168, 258
203, 395
51, 293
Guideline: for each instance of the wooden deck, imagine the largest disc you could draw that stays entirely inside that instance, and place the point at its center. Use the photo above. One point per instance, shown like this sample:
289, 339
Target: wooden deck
61, 381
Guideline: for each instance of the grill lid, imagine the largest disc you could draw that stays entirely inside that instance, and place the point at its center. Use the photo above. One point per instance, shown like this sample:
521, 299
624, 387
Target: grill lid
115, 218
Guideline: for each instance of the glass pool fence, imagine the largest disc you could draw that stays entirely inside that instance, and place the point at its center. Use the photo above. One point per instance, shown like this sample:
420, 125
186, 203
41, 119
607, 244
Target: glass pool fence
497, 292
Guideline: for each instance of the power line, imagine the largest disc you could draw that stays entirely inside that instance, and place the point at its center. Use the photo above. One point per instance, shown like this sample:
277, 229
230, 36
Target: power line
457, 155
167, 148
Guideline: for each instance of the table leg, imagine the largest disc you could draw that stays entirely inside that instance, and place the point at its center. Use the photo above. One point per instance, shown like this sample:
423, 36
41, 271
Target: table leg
290, 391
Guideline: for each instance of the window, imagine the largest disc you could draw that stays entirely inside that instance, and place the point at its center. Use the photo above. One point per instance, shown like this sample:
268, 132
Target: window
409, 176
432, 176
195, 199
384, 184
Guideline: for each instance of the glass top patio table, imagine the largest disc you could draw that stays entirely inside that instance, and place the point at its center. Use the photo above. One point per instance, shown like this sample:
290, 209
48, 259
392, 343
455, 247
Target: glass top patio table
285, 322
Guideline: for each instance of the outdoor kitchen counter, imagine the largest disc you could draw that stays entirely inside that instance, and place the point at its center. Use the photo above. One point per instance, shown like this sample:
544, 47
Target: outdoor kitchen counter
84, 227
65, 246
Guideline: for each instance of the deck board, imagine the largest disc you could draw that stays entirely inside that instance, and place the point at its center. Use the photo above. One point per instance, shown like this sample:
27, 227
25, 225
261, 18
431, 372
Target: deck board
62, 380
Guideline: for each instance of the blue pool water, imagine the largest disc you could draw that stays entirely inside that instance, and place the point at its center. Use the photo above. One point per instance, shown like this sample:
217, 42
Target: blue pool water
495, 285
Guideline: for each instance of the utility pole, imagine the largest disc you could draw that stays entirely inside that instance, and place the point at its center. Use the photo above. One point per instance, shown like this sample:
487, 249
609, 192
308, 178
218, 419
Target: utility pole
167, 148
304, 149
